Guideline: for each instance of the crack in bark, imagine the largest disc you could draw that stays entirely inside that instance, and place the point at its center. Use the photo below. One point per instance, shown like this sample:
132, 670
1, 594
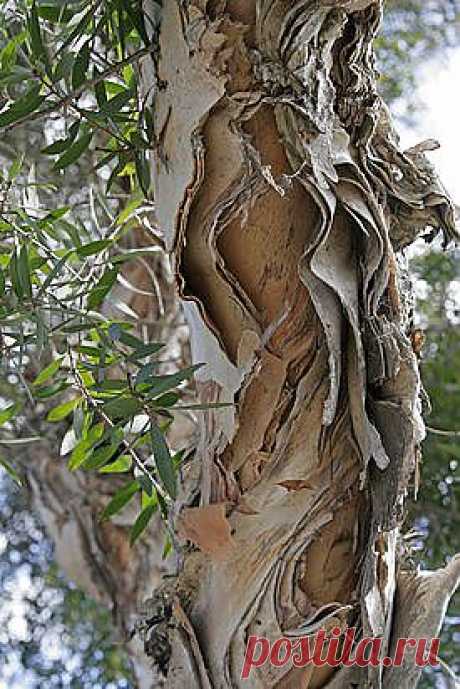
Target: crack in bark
284, 196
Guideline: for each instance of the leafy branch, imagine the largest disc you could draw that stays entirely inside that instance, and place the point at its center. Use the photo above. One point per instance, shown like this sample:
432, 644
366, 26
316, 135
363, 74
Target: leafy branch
69, 98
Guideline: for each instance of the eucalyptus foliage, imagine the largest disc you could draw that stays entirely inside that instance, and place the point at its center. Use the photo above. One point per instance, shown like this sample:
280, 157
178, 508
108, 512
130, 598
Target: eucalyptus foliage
80, 61
413, 31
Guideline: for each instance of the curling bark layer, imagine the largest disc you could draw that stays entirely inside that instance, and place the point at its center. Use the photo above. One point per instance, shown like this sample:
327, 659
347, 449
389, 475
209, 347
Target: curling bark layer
284, 198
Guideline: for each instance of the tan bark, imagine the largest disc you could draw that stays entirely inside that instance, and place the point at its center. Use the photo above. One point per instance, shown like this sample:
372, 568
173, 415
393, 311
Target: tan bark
284, 198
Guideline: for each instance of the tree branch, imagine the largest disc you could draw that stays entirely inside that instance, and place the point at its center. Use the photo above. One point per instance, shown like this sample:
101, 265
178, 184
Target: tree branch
76, 93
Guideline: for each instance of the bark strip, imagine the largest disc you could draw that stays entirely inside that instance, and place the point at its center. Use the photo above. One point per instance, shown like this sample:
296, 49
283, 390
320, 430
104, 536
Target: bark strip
285, 198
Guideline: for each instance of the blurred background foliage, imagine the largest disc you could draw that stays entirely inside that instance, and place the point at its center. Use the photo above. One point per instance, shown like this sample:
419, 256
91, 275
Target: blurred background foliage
51, 635
413, 32
436, 513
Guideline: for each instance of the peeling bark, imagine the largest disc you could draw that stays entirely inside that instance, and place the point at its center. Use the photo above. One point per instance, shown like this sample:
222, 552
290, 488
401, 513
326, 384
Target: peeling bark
284, 198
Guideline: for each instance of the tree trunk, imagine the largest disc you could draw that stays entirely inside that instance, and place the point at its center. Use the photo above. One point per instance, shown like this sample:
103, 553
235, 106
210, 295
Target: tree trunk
286, 201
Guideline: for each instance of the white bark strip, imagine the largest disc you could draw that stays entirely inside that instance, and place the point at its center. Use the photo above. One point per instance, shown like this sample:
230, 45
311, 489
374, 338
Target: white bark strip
284, 197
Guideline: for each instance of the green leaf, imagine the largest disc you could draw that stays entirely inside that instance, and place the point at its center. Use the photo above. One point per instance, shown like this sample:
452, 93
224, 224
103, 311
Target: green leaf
74, 152
51, 390
102, 288
80, 66
55, 272
129, 209
99, 90
145, 351
16, 75
163, 460
12, 472
146, 484
115, 104
119, 466
24, 271
55, 13
85, 445
111, 386
15, 168
63, 67
167, 550
137, 20
79, 326
169, 399
49, 371
161, 384
62, 410
141, 522
61, 145
120, 499
22, 107
143, 172
8, 54
122, 407
131, 254
14, 276
79, 30
93, 248
8, 413
93, 352
99, 457
36, 40
128, 339
78, 421
56, 214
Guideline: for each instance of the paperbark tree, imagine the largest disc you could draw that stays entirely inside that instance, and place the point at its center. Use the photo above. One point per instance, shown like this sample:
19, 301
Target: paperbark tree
286, 202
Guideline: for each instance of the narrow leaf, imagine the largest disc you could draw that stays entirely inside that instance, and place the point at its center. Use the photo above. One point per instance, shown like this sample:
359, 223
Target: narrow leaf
100, 456
49, 371
62, 410
93, 248
141, 522
161, 384
122, 408
8, 413
163, 460
61, 145
102, 288
85, 445
119, 466
22, 107
24, 271
120, 499
80, 66
12, 472
36, 40
74, 152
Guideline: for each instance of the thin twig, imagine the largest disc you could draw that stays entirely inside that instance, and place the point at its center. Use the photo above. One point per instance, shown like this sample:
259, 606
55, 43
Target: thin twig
19, 441
437, 431
76, 93
127, 446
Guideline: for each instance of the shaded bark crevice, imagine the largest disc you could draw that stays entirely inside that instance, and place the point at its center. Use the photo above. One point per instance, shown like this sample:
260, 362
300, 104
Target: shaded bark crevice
284, 198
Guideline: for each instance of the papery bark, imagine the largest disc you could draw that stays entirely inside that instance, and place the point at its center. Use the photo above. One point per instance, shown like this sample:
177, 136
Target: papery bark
285, 199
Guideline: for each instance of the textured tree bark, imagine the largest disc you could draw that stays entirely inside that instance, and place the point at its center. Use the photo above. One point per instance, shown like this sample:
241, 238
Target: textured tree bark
285, 201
